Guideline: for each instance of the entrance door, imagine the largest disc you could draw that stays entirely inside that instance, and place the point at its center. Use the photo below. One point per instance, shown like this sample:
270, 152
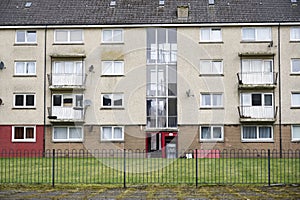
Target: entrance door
161, 145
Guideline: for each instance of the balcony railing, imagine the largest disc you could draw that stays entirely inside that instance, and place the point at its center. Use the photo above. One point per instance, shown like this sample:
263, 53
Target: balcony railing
259, 113
257, 78
66, 113
66, 80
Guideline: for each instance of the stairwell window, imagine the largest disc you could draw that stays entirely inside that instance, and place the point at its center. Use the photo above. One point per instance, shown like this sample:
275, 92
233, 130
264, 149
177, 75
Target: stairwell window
210, 35
251, 34
24, 100
68, 36
295, 34
23, 134
25, 37
25, 68
211, 100
112, 36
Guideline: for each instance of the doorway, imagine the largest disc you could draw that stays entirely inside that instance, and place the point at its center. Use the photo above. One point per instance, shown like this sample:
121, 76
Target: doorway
161, 145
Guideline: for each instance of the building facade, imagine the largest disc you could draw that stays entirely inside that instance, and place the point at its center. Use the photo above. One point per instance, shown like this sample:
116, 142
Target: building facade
176, 76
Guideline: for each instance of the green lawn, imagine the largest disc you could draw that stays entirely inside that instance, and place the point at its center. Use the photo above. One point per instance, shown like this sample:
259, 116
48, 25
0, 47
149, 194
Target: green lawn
91, 170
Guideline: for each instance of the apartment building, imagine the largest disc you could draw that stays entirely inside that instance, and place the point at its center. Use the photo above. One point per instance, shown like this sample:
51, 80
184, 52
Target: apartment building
160, 76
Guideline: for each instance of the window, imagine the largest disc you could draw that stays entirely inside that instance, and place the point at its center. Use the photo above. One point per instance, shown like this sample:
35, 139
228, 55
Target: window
112, 35
25, 36
67, 133
25, 68
257, 133
295, 34
23, 134
112, 68
24, 100
67, 67
68, 36
68, 100
112, 100
211, 100
210, 35
211, 133
295, 66
112, 133
256, 66
296, 133
256, 34
211, 67
295, 99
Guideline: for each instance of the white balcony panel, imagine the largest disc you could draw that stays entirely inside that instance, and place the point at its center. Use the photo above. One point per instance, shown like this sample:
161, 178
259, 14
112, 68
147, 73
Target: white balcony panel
67, 113
67, 79
258, 112
258, 78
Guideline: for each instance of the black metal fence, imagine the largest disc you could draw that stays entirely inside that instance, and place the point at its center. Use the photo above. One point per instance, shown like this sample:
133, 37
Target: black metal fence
136, 167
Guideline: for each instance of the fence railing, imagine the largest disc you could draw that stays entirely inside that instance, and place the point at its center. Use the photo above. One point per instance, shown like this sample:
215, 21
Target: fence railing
133, 167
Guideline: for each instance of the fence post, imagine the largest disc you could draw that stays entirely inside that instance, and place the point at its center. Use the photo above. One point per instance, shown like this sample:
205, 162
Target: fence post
124, 168
196, 157
269, 168
53, 168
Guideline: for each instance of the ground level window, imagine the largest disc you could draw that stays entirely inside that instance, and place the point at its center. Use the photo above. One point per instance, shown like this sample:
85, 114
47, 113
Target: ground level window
23, 134
257, 133
112, 133
296, 133
211, 133
67, 134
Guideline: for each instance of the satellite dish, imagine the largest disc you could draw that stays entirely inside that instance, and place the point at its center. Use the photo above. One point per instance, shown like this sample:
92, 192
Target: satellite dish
1, 65
87, 102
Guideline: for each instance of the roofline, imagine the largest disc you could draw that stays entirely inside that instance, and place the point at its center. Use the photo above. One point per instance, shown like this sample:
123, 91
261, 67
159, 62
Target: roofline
153, 25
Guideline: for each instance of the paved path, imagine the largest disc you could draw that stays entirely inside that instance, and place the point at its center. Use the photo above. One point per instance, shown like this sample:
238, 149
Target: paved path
151, 192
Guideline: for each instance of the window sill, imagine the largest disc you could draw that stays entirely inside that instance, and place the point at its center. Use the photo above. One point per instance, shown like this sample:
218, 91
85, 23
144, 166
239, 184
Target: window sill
24, 108
25, 44
23, 141
112, 141
212, 42
69, 43
211, 108
294, 41
67, 141
22, 76
294, 74
296, 141
217, 75
257, 141
295, 107
112, 108
113, 75
251, 41
211, 141
112, 43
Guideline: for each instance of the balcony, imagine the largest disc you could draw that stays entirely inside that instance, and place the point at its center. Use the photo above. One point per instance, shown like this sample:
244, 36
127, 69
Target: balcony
66, 114
257, 80
257, 113
66, 81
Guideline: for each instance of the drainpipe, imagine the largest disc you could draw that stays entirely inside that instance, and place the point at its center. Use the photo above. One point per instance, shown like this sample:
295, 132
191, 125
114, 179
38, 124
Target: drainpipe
45, 88
279, 93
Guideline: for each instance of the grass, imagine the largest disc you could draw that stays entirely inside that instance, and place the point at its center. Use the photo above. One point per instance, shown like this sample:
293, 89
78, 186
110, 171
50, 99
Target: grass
92, 170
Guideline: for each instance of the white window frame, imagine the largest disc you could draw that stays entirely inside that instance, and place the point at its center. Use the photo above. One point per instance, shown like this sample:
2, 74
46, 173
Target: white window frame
68, 31
68, 134
257, 139
211, 105
113, 36
295, 31
256, 34
112, 129
112, 97
113, 63
293, 105
245, 95
25, 139
293, 133
211, 131
211, 35
25, 65
24, 100
26, 32
293, 61
211, 63
64, 96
